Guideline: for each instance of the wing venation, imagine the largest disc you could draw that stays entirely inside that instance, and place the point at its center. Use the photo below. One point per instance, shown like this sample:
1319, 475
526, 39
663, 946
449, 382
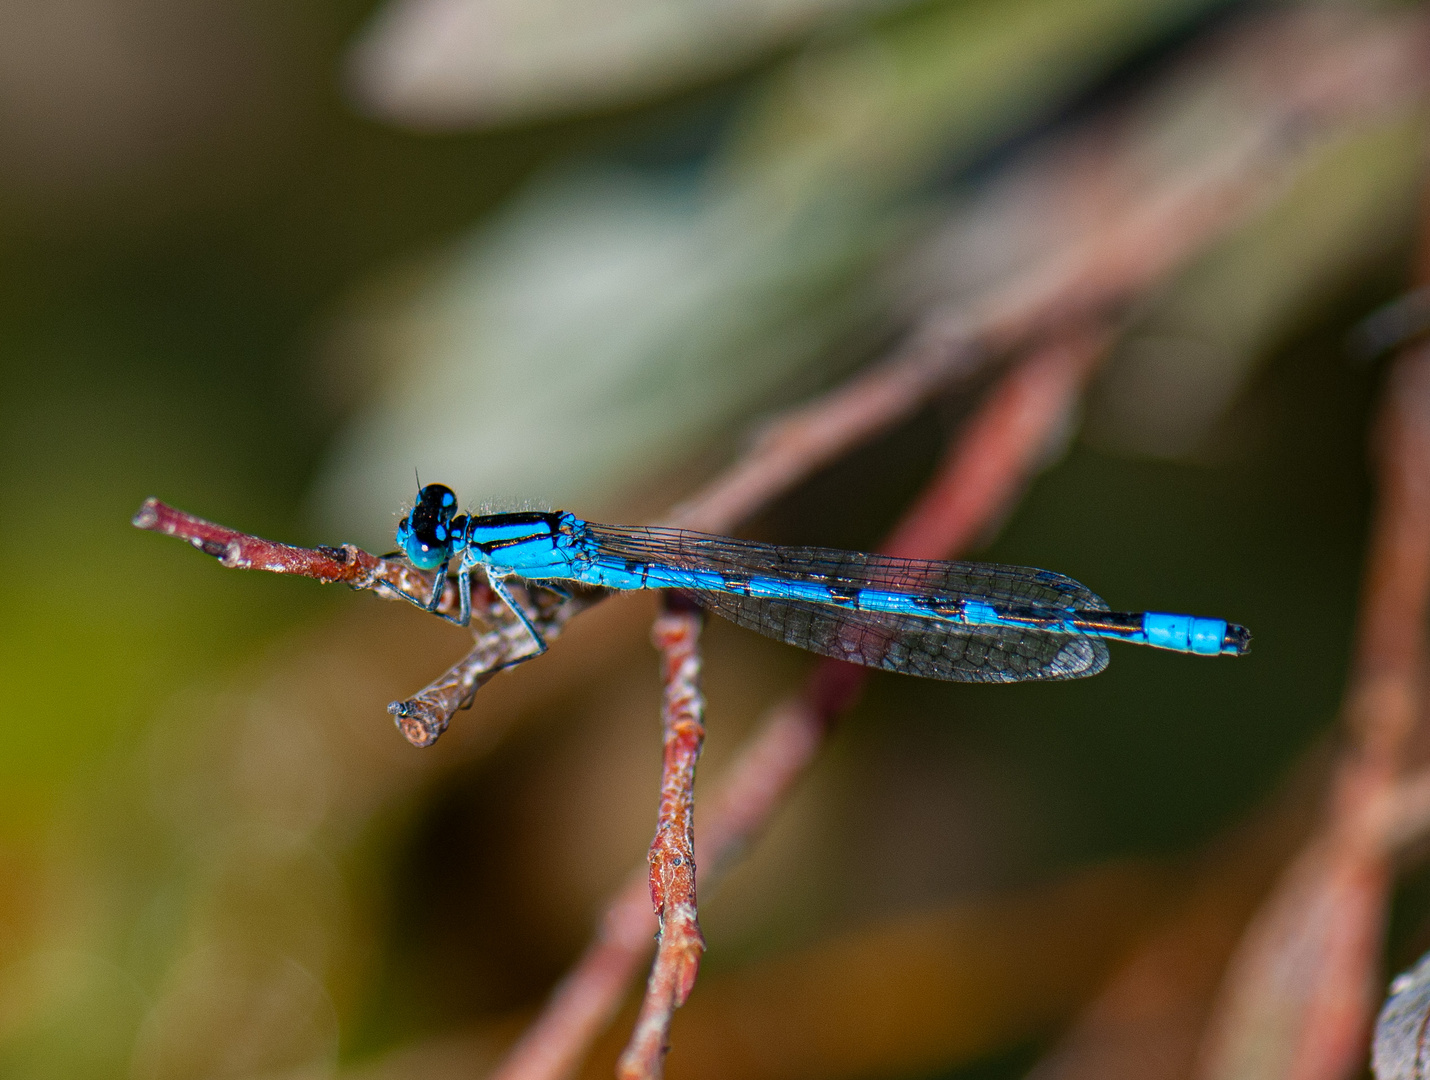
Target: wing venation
1021, 586
914, 646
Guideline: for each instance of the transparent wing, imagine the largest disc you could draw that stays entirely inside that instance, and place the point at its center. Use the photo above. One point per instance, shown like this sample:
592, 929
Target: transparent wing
912, 645
1020, 586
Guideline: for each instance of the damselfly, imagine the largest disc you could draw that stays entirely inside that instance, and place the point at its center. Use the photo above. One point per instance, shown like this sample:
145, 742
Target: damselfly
965, 622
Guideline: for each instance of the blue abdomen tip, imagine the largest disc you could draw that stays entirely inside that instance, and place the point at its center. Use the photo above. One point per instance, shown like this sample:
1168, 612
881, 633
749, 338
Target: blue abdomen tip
1193, 634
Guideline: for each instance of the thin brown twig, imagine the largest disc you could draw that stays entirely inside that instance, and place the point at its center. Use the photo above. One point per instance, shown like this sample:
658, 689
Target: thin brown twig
500, 641
1007, 439
423, 717
672, 852
242, 551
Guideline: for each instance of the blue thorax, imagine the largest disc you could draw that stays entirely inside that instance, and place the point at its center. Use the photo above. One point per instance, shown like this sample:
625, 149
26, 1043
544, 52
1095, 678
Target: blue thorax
532, 543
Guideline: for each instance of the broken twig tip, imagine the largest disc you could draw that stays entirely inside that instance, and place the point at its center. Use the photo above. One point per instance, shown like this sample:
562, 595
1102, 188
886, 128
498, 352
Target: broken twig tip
147, 516
419, 725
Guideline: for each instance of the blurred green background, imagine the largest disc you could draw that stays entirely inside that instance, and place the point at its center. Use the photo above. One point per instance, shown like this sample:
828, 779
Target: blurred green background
241, 272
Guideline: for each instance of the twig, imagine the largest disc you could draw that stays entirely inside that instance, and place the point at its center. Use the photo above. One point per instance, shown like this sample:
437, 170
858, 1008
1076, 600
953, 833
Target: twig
241, 551
500, 643
672, 853
1037, 394
424, 716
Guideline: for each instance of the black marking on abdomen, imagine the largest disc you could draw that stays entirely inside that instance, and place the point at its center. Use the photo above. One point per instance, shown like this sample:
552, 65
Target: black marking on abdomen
1116, 621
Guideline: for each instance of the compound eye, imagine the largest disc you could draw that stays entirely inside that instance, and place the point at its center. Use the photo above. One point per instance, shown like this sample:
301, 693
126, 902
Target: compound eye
436, 499
432, 516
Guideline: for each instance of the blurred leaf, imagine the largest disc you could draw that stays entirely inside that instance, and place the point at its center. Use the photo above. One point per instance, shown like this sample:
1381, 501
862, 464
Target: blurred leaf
931, 90
1200, 342
456, 63
604, 328
594, 333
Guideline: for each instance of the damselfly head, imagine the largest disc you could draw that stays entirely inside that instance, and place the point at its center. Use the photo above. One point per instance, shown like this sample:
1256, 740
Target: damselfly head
425, 535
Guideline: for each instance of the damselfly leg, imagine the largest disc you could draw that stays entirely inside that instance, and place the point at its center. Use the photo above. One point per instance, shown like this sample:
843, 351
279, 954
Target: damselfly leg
498, 585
